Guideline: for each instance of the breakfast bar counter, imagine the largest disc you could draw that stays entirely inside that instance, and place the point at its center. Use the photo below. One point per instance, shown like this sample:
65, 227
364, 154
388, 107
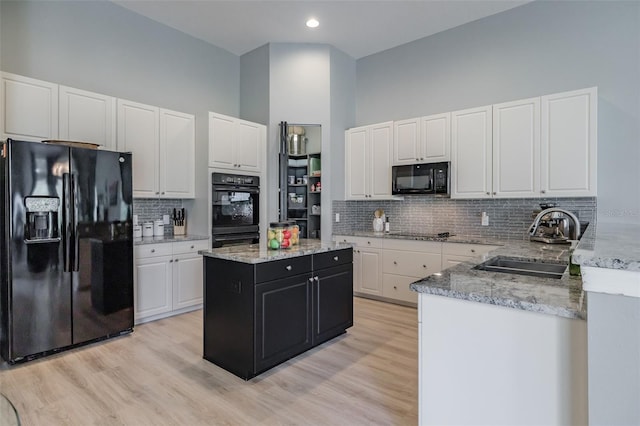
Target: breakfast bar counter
510, 348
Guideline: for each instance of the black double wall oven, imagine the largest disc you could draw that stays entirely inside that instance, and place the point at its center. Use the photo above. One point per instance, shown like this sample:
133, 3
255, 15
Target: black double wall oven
235, 211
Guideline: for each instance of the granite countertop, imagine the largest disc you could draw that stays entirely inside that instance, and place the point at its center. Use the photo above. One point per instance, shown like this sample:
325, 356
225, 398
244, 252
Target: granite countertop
168, 239
611, 246
256, 253
420, 237
562, 297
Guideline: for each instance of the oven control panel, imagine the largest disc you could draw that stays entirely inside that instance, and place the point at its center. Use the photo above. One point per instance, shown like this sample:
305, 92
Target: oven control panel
231, 179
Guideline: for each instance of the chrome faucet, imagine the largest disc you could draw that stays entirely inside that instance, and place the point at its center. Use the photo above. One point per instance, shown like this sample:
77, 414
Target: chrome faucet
571, 216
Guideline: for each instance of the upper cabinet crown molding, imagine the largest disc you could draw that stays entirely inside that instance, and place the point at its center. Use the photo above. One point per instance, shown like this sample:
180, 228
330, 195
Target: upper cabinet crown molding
30, 108
236, 144
87, 117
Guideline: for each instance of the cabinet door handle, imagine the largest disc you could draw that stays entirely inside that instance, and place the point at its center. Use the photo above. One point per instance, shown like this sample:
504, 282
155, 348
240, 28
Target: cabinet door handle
335, 258
311, 279
488, 193
171, 261
369, 242
395, 263
543, 191
153, 250
192, 247
424, 266
494, 193
162, 192
288, 267
177, 260
395, 288
473, 250
316, 278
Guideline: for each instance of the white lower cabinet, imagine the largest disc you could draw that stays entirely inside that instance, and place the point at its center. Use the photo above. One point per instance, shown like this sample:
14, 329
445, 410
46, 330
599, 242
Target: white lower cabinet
405, 262
385, 267
167, 279
367, 264
454, 253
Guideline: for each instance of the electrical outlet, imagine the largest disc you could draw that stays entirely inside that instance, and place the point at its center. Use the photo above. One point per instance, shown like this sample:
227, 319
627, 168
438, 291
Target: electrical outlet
337, 217
165, 219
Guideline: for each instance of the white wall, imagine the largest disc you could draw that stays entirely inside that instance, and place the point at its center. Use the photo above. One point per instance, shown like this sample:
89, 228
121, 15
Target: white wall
536, 49
102, 47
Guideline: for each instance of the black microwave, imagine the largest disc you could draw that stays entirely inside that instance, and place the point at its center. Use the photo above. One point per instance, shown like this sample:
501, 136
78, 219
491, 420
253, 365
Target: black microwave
421, 179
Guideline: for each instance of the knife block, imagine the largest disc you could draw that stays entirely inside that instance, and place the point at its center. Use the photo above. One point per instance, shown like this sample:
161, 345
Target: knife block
179, 230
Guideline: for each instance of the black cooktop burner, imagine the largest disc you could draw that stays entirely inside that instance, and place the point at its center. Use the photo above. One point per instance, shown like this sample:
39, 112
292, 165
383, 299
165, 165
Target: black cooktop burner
422, 236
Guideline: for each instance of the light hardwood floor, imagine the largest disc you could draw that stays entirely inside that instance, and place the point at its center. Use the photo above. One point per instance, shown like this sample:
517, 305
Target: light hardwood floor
157, 376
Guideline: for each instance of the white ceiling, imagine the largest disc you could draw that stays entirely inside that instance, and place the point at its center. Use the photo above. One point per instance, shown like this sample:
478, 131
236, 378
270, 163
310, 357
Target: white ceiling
357, 27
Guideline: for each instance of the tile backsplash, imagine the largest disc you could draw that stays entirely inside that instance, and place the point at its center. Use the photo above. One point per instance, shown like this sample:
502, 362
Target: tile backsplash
150, 209
508, 218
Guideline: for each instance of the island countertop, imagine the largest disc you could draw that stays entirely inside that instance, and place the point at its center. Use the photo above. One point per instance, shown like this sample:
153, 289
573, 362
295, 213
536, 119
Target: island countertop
257, 253
562, 297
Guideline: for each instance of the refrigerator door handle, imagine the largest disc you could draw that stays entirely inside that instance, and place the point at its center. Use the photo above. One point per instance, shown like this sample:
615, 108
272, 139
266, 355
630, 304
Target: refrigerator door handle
74, 221
67, 220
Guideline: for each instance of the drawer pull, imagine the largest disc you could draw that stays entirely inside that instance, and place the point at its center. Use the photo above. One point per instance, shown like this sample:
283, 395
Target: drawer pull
473, 250
171, 261
335, 258
395, 263
153, 250
288, 267
395, 288
193, 247
424, 266
369, 242
177, 260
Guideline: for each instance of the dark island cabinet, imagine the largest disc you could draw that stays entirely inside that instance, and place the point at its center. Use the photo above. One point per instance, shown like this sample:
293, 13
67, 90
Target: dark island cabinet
257, 316
333, 295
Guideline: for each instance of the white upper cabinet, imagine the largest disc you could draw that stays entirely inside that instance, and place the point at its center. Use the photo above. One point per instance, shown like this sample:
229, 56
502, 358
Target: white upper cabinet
422, 140
368, 152
177, 154
569, 143
87, 117
516, 149
435, 133
536, 147
249, 144
236, 144
138, 131
471, 153
406, 141
356, 173
30, 108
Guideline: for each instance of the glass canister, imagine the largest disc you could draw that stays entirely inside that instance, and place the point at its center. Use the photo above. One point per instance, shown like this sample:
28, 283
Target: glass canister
294, 230
279, 235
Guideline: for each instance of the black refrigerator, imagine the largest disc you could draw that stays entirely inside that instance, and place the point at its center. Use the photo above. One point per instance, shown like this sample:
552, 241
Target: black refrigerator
67, 247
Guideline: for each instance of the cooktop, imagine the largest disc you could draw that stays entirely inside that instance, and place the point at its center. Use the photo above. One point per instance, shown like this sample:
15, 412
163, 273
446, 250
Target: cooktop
440, 236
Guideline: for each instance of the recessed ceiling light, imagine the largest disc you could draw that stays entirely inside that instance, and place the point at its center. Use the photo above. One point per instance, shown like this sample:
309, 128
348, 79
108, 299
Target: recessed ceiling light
312, 23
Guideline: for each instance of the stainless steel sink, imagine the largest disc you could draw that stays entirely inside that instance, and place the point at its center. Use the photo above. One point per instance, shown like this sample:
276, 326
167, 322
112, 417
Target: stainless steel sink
512, 265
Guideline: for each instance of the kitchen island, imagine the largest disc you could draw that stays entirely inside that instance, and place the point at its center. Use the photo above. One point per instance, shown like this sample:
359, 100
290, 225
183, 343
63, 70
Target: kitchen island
501, 348
263, 307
